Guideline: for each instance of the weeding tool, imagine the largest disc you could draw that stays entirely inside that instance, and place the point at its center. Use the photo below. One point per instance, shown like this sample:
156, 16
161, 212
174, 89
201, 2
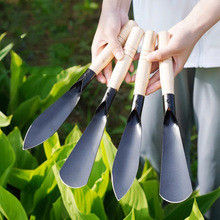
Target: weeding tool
127, 158
47, 123
76, 170
175, 183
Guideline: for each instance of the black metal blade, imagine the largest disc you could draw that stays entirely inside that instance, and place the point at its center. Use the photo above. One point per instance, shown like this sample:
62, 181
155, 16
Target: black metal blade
46, 124
127, 158
76, 170
175, 183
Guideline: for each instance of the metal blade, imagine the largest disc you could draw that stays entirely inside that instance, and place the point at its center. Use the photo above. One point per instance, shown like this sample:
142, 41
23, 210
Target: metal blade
46, 124
76, 170
175, 183
127, 158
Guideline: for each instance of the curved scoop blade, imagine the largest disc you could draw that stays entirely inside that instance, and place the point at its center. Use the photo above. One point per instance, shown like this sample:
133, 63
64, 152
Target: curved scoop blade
175, 183
76, 170
46, 124
127, 158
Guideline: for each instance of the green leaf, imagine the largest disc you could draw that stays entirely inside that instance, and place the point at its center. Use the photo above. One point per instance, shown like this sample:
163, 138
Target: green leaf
20, 178
40, 82
18, 71
73, 136
151, 190
64, 81
26, 112
51, 145
7, 158
45, 196
5, 50
130, 216
23, 157
69, 200
195, 214
10, 207
135, 197
4, 120
2, 36
183, 209
58, 212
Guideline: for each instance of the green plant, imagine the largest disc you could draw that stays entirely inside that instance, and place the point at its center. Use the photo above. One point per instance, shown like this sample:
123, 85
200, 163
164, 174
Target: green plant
43, 195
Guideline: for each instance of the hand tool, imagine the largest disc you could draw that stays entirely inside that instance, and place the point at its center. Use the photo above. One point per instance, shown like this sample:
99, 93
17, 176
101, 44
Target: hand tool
76, 170
175, 183
127, 158
47, 123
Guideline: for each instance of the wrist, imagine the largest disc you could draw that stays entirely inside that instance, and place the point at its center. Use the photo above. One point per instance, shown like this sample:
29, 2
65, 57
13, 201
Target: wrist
120, 5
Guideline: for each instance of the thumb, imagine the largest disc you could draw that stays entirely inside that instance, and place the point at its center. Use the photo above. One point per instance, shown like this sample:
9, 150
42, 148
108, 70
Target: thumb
160, 54
116, 47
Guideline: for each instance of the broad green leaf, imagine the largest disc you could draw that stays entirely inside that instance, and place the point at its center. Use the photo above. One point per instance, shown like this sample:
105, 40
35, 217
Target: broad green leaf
20, 178
73, 136
45, 196
69, 200
98, 172
183, 209
108, 150
64, 81
151, 190
18, 71
4, 120
40, 82
58, 212
7, 158
23, 157
26, 112
51, 145
10, 206
5, 50
130, 216
135, 197
88, 202
195, 214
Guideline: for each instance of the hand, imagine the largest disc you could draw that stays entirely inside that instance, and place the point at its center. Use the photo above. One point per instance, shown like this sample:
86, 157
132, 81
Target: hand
182, 41
110, 24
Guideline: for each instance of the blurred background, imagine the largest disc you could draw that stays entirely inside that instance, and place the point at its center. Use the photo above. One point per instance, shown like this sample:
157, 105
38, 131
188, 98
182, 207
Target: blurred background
59, 34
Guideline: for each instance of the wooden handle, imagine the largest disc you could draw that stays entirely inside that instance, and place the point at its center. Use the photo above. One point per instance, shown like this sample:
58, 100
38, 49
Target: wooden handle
166, 66
144, 67
106, 54
123, 65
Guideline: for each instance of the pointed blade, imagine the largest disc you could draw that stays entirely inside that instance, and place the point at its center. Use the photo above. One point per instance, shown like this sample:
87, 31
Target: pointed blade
175, 183
127, 158
76, 170
46, 124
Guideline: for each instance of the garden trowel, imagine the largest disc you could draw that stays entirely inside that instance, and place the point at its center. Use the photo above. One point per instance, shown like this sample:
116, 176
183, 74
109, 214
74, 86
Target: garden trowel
76, 170
46, 124
175, 183
127, 158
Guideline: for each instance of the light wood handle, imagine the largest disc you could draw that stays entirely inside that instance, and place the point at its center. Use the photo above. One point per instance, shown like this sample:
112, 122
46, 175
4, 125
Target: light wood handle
144, 67
106, 54
122, 66
166, 66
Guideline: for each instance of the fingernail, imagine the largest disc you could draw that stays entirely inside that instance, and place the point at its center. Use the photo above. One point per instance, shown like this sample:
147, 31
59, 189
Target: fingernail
119, 55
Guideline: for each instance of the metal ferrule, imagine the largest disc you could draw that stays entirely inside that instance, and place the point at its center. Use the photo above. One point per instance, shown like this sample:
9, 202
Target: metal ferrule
169, 103
85, 79
137, 103
109, 97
